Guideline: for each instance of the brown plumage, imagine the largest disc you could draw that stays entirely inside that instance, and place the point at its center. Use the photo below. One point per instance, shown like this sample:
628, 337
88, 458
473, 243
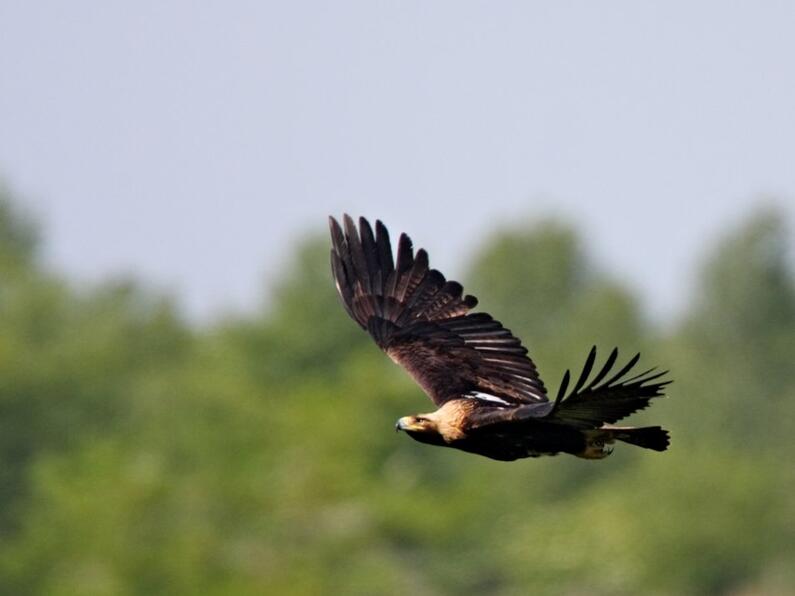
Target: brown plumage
490, 398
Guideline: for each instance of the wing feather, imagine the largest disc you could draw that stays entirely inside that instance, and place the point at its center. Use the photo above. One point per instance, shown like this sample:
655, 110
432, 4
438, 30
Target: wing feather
370, 250
359, 270
422, 320
605, 402
384, 252
611, 360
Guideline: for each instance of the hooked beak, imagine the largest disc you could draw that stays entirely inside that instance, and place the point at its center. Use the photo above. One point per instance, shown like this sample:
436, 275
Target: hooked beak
403, 424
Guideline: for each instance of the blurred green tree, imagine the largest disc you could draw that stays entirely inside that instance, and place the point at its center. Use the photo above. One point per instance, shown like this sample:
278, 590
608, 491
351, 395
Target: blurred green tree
67, 358
141, 455
735, 349
18, 236
302, 331
538, 281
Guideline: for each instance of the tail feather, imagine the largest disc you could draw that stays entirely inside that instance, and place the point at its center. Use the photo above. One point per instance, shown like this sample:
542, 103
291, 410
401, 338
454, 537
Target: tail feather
648, 437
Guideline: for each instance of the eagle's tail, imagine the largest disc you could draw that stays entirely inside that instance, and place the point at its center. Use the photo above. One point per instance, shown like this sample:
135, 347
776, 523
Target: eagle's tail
648, 437
598, 442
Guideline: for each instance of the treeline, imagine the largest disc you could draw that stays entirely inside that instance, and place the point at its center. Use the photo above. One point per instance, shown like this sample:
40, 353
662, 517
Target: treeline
145, 455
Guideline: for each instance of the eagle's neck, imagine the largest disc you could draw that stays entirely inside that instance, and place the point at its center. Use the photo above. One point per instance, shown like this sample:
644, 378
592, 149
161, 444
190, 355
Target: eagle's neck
452, 419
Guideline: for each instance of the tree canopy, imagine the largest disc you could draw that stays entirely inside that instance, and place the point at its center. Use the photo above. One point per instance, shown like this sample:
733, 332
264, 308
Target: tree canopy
144, 454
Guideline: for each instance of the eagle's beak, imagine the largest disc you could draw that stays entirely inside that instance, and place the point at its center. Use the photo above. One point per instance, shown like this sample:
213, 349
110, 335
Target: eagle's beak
402, 424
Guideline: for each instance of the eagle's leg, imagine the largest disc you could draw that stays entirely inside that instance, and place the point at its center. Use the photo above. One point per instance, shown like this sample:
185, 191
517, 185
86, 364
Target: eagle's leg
598, 445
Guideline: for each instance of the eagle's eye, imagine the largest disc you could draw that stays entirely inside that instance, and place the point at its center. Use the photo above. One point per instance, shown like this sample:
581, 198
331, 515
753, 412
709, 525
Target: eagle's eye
419, 419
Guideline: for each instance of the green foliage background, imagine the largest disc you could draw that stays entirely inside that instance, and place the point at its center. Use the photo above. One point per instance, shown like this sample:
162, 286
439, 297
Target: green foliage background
144, 455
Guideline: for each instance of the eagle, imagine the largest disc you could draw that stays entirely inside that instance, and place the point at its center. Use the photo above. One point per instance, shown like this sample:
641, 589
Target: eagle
489, 396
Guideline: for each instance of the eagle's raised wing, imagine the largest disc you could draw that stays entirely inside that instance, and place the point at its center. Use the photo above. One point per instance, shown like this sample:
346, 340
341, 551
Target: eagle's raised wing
420, 319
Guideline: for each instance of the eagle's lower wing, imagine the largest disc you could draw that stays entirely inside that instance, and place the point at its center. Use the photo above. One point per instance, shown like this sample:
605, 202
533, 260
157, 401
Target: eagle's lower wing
592, 403
420, 319
604, 399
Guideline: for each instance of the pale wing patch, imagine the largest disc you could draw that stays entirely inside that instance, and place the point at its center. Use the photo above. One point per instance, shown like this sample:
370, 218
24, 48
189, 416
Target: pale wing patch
487, 397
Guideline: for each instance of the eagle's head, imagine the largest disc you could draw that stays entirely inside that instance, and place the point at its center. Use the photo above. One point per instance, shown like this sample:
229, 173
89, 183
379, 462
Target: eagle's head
420, 423
422, 428
441, 427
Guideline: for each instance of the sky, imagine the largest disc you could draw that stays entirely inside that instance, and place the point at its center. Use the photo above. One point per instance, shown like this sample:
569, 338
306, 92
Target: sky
193, 144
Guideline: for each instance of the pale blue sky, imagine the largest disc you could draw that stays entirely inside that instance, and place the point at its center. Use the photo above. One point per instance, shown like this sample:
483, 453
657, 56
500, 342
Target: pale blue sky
192, 142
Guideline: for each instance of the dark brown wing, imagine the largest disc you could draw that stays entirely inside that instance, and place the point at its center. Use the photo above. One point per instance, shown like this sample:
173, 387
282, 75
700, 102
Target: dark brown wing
420, 319
607, 401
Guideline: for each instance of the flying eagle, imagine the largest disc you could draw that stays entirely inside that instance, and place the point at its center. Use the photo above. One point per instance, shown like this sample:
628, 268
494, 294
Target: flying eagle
490, 398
